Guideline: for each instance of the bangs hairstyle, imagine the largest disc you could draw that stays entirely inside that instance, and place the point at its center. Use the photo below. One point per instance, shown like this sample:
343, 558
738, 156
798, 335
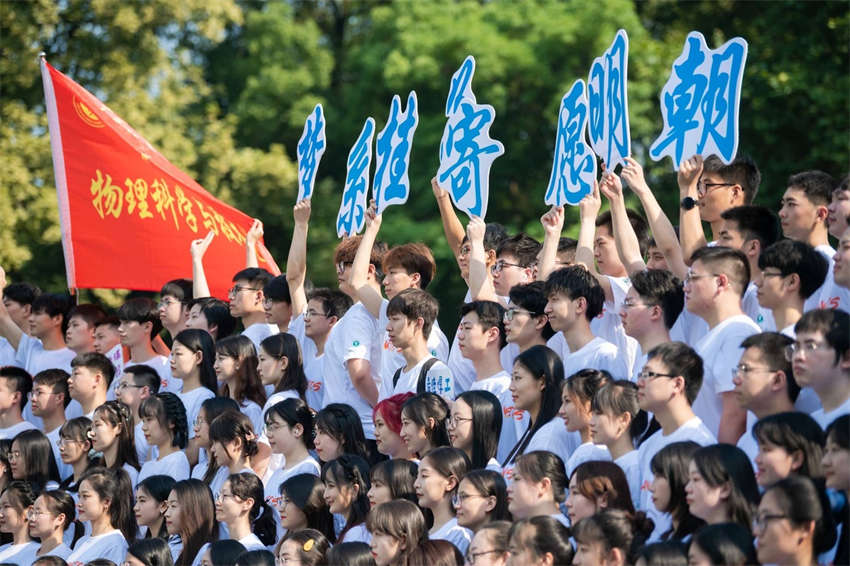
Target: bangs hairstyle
246, 381
195, 341
398, 476
491, 484
532, 298
353, 471
306, 492
615, 528
638, 223
390, 410
486, 425
720, 464
791, 256
246, 485
169, 412
584, 384
804, 501
617, 398
284, 345
115, 486
231, 426
448, 462
430, 411
217, 313
771, 347
576, 282
334, 302
56, 379
117, 414
414, 304
726, 261
743, 171
37, 459
412, 258
599, 479
832, 323
817, 186
540, 464
838, 431
347, 249
660, 288
157, 487
96, 363
294, 412
60, 502
726, 543
681, 360
754, 223
144, 375
180, 289
77, 429
401, 520
490, 315
671, 463
794, 432
278, 290
92, 315
141, 310
255, 276
22, 293
342, 423
522, 246
315, 543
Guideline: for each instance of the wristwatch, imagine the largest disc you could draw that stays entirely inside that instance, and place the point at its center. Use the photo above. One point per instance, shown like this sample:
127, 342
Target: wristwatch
688, 203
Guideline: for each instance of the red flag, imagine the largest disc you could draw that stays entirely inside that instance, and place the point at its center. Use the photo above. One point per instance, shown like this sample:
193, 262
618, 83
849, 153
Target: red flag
127, 214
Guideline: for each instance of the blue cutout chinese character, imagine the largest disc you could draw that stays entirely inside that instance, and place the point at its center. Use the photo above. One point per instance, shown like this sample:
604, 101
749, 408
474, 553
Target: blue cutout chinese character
608, 107
700, 102
352, 210
310, 149
574, 166
392, 154
466, 150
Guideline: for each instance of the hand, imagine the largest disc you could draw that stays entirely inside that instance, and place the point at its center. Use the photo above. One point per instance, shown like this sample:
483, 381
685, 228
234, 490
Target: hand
689, 173
475, 229
439, 192
2, 280
301, 212
611, 186
590, 204
373, 219
255, 233
199, 247
632, 174
553, 221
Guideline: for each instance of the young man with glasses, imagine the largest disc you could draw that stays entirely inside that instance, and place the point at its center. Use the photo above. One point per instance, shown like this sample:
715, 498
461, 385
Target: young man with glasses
246, 303
325, 307
516, 258
174, 305
139, 324
714, 287
764, 382
137, 384
820, 356
48, 399
667, 387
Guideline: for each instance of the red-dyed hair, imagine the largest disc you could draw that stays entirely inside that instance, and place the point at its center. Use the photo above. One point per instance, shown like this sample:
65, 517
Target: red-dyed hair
390, 409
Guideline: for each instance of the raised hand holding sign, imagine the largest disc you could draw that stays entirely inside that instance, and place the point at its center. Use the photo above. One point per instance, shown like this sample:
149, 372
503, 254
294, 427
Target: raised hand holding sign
608, 103
310, 149
352, 210
392, 154
574, 166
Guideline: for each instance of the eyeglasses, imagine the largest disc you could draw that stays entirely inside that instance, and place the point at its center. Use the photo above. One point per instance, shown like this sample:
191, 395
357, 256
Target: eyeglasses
804, 348
310, 313
471, 557
501, 264
67, 441
200, 421
744, 369
458, 498
222, 496
38, 393
167, 303
273, 427
342, 266
704, 188
236, 289
123, 385
646, 375
512, 312
32, 513
761, 521
691, 276
453, 421
766, 274
627, 304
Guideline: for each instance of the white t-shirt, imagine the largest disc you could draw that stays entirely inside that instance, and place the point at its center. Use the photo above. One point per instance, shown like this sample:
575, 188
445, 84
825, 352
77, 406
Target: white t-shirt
24, 553
142, 447
259, 332
438, 380
252, 542
391, 358
254, 412
761, 316
192, 401
358, 533
7, 354
597, 354
720, 351
353, 337
630, 464
462, 369
551, 437
175, 465
688, 328
748, 444
111, 546
609, 326
162, 366
586, 452
824, 418
63, 551
32, 356
314, 369
12, 431
455, 534
821, 298
276, 460
272, 486
693, 430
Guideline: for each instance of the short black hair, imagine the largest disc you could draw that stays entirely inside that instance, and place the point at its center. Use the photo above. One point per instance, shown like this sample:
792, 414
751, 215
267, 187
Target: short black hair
817, 185
217, 313
754, 223
832, 323
639, 225
180, 289
522, 246
683, 360
772, 346
95, 362
22, 293
92, 314
490, 314
730, 262
53, 304
256, 277
21, 381
56, 379
742, 171
413, 304
792, 256
141, 310
334, 302
278, 290
575, 281
532, 297
662, 288
494, 235
144, 375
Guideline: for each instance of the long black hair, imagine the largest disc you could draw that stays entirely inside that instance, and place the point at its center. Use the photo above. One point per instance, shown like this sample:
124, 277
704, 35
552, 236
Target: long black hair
352, 470
284, 345
306, 492
342, 423
486, 425
196, 341
248, 486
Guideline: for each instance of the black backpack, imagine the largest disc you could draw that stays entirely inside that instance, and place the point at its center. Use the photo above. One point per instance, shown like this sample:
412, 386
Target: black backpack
423, 372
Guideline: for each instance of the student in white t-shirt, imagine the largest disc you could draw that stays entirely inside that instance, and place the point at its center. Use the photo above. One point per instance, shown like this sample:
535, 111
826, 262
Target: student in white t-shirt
713, 289
15, 385
764, 383
538, 486
137, 384
190, 514
594, 486
192, 359
16, 504
424, 419
82, 322
48, 507
233, 443
577, 393
236, 369
788, 443
240, 506
436, 486
212, 315
105, 505
324, 309
820, 356
112, 435
106, 335
667, 386
139, 326
397, 528
474, 425
246, 303
17, 298
346, 483
48, 399
91, 375
164, 426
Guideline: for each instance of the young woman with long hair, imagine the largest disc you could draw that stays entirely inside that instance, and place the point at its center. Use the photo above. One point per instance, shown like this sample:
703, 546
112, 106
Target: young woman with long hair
16, 503
474, 425
52, 514
236, 369
440, 472
241, 506
721, 485
302, 505
151, 503
192, 358
207, 467
482, 498
577, 393
346, 484
386, 417
611, 537
423, 423
339, 431
112, 435
397, 527
191, 516
392, 479
597, 485
164, 426
669, 469
74, 449
538, 486
31, 459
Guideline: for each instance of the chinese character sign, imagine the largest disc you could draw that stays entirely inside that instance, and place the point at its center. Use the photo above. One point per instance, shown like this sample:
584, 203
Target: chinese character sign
352, 210
574, 165
310, 149
608, 103
126, 213
467, 151
392, 154
700, 102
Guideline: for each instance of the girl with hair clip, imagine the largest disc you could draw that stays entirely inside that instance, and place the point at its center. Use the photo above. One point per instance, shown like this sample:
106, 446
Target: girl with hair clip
106, 500
577, 393
721, 485
191, 516
346, 484
207, 467
440, 472
539, 541
387, 419
729, 544
149, 552
15, 508
164, 426
151, 503
669, 469
536, 387
51, 515
339, 431
474, 426
789, 443
617, 422
538, 486
836, 468
611, 537
350, 554
423, 423
392, 479
302, 505
236, 369
240, 506
31, 459
489, 546
192, 358
112, 435
482, 497
306, 547
794, 523
74, 448
597, 485
397, 527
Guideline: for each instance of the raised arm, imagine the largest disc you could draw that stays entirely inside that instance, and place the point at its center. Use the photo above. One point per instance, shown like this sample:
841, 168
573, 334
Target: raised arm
8, 329
451, 224
628, 247
691, 234
251, 238
553, 226
588, 211
480, 285
198, 248
662, 228
296, 263
368, 295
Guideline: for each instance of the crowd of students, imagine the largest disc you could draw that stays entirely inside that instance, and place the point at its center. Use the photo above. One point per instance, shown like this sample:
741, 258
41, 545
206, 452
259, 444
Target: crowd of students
639, 395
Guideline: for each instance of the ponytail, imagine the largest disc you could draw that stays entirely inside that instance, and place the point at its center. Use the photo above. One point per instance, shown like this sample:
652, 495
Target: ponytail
248, 486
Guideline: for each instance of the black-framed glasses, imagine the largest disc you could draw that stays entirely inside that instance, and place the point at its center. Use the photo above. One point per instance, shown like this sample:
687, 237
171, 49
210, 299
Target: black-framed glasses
123, 385
704, 188
471, 557
236, 289
459, 498
453, 421
513, 311
501, 264
310, 313
646, 375
761, 521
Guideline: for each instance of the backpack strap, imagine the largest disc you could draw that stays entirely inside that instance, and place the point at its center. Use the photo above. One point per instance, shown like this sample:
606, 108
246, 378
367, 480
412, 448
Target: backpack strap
423, 373
396, 375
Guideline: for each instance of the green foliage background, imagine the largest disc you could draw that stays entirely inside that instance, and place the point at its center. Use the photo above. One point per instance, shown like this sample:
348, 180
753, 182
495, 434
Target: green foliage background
222, 88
